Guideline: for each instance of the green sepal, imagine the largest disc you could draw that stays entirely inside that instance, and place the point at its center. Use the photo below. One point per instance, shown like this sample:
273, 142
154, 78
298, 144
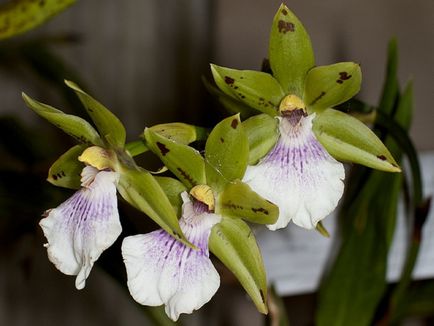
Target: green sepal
238, 200
227, 152
182, 133
184, 161
66, 171
290, 51
235, 245
108, 125
173, 189
262, 133
19, 16
328, 86
348, 139
139, 188
74, 126
256, 89
231, 104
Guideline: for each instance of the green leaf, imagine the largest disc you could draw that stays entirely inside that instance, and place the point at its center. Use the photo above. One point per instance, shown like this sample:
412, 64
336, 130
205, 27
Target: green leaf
66, 171
227, 152
290, 51
20, 16
391, 87
258, 90
238, 200
234, 244
74, 126
108, 125
348, 139
173, 189
262, 133
184, 162
139, 188
328, 86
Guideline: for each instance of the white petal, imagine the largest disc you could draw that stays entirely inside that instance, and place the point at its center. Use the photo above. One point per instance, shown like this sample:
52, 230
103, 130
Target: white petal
162, 270
298, 175
82, 227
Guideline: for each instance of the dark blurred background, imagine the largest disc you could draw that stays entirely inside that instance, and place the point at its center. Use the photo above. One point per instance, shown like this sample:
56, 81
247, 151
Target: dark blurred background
144, 60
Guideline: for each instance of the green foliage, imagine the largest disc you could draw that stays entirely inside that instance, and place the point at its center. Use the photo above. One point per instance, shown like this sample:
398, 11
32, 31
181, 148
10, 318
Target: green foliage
106, 122
348, 139
19, 16
234, 244
74, 126
237, 200
290, 51
66, 171
328, 86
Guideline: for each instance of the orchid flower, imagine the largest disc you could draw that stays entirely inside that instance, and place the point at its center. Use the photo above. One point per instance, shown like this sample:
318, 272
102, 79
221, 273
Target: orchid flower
86, 224
162, 270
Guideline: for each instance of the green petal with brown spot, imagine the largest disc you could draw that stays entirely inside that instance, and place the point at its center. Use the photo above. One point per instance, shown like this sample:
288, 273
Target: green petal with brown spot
235, 245
183, 161
290, 51
258, 90
108, 125
20, 16
238, 200
348, 139
66, 171
328, 86
74, 126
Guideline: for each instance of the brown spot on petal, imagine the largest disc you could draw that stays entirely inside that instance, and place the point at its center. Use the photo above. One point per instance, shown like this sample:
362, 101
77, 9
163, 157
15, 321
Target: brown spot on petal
284, 12
163, 149
285, 27
234, 123
54, 177
230, 81
262, 295
222, 140
342, 77
186, 176
260, 210
381, 157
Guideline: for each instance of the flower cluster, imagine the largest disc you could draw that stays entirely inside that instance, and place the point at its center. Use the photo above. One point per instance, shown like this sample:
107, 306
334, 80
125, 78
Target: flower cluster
281, 164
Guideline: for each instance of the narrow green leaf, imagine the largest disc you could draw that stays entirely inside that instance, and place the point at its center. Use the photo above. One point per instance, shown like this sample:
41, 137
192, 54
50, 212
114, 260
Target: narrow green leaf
235, 245
66, 171
142, 191
173, 189
290, 51
262, 133
20, 16
238, 200
227, 151
328, 86
108, 125
258, 90
348, 139
391, 87
184, 161
74, 126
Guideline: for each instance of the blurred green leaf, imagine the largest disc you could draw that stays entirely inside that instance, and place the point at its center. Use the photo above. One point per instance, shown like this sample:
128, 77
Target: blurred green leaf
390, 88
256, 89
234, 244
74, 126
328, 86
277, 315
262, 133
20, 16
348, 139
238, 200
139, 188
227, 152
108, 125
183, 161
173, 189
418, 302
290, 51
66, 171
